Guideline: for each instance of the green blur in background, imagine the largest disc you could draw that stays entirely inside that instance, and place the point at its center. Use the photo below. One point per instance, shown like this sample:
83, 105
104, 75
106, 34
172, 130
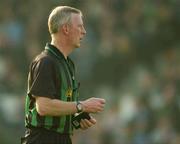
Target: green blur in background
130, 56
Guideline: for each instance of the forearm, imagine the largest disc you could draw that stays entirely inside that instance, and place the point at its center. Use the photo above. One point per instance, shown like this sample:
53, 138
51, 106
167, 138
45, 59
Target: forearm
54, 107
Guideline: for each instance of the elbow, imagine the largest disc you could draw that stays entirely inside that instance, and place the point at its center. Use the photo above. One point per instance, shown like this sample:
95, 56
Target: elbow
41, 110
42, 106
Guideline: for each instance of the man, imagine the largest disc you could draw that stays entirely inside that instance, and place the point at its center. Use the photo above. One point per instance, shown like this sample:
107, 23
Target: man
52, 98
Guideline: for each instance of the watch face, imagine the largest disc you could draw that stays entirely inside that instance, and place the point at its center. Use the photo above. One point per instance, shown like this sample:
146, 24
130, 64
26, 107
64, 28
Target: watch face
79, 107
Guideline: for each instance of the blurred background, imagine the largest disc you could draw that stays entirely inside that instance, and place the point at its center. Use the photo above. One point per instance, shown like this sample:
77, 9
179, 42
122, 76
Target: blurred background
130, 56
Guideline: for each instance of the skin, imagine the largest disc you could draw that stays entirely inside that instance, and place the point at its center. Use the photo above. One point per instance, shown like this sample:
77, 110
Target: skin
66, 40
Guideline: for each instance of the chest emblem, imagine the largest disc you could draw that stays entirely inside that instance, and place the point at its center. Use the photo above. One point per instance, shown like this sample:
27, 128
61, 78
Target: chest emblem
69, 92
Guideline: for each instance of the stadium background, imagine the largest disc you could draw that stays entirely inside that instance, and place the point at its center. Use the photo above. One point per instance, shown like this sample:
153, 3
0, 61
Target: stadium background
130, 56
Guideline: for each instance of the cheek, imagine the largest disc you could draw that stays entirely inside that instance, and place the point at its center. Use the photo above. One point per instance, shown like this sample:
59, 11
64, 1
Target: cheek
77, 31
74, 32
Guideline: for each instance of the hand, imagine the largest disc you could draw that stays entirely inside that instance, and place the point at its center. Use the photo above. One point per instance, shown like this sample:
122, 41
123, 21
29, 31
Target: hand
93, 105
85, 124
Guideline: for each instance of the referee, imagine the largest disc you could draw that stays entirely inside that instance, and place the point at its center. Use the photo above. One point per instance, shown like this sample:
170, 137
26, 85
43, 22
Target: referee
52, 95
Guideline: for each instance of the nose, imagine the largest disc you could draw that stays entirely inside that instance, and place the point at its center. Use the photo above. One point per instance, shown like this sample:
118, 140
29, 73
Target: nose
83, 31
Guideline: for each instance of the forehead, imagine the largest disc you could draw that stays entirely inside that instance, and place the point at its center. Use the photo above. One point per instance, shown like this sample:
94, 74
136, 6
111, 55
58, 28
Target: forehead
76, 18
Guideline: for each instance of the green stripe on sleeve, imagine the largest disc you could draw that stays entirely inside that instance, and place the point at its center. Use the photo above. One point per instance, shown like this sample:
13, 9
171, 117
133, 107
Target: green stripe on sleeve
34, 117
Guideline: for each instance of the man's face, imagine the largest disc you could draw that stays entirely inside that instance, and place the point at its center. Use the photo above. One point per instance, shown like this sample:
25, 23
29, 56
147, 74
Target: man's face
77, 30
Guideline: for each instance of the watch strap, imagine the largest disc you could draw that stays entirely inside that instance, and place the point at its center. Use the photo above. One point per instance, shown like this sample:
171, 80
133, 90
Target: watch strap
77, 107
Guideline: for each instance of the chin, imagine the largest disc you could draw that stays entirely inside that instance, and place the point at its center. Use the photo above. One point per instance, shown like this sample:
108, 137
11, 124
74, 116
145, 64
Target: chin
77, 46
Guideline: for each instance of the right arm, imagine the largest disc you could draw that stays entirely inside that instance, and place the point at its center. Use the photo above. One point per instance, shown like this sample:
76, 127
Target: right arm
53, 107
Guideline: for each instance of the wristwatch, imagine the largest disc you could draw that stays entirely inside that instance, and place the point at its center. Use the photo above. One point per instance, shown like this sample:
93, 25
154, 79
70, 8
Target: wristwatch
79, 107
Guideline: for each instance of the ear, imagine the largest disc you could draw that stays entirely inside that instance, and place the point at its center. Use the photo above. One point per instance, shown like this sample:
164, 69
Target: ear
65, 29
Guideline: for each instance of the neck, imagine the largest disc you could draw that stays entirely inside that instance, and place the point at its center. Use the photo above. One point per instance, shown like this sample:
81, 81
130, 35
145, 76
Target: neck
62, 46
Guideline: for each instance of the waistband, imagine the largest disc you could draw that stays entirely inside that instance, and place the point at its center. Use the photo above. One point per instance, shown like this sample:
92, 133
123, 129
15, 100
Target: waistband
30, 130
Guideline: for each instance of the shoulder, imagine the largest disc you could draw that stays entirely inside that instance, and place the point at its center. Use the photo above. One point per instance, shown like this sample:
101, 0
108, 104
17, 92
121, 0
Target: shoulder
43, 60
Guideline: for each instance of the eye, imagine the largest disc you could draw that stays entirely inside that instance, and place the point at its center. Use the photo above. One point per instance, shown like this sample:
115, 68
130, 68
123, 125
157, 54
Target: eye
81, 26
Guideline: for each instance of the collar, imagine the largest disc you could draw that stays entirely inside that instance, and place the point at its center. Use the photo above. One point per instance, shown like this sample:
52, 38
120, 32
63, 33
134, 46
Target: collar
55, 51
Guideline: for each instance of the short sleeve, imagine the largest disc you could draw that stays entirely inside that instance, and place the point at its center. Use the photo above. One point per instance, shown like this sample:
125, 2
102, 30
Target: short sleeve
43, 75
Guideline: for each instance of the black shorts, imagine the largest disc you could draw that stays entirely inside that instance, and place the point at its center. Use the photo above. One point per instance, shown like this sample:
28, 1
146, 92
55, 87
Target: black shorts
43, 136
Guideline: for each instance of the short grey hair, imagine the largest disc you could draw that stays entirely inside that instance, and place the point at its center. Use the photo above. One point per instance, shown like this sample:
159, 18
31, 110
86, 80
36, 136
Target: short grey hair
59, 16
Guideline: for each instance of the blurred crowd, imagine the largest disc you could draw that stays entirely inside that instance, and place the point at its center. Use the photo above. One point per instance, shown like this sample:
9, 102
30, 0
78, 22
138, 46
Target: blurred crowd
130, 56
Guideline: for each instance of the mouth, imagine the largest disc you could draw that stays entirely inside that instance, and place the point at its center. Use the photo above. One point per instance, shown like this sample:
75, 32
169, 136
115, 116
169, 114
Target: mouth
80, 40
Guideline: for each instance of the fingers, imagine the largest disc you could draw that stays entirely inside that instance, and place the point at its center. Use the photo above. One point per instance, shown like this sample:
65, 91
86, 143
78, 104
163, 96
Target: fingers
100, 100
85, 124
93, 120
100, 104
99, 109
94, 105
